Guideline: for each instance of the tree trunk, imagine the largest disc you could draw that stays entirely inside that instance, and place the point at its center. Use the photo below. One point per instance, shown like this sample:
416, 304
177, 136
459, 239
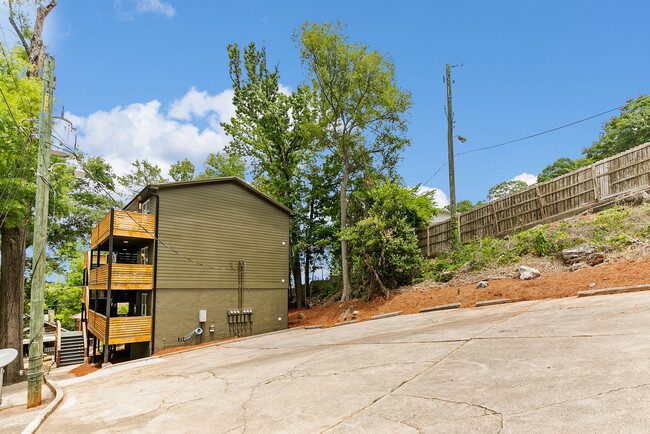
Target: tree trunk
345, 273
12, 286
308, 250
36, 58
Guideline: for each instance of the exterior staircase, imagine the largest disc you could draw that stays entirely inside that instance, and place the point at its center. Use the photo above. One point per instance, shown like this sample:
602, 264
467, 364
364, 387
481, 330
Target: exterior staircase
72, 349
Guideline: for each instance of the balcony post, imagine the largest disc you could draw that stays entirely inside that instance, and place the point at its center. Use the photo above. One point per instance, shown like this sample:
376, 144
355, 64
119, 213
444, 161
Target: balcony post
109, 262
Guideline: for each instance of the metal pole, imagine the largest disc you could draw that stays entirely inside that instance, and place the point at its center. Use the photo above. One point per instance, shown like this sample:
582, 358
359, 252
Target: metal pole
35, 372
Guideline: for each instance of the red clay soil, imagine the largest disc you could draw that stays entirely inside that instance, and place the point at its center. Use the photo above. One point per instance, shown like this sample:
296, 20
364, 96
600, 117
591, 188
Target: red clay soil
84, 369
625, 273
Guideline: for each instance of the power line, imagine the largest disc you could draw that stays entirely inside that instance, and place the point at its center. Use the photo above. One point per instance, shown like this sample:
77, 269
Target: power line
525, 138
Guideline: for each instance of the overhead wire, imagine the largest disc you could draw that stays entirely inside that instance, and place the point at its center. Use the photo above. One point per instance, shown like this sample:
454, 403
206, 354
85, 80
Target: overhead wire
484, 148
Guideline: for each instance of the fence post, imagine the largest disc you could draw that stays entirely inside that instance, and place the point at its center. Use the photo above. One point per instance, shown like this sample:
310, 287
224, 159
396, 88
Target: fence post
596, 186
496, 222
541, 202
428, 243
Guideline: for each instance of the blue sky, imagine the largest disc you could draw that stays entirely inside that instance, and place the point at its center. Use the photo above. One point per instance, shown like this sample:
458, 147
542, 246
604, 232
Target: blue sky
149, 79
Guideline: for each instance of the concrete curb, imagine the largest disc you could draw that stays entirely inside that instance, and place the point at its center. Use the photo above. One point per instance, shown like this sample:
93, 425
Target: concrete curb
493, 302
386, 315
40, 418
619, 290
441, 307
311, 327
345, 322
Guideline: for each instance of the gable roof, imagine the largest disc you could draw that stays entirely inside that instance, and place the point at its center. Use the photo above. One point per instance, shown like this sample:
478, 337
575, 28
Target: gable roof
225, 179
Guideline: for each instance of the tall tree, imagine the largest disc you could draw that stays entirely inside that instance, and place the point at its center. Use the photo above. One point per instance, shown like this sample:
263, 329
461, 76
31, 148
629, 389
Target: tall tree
17, 189
182, 171
270, 129
505, 188
629, 129
143, 173
361, 108
223, 164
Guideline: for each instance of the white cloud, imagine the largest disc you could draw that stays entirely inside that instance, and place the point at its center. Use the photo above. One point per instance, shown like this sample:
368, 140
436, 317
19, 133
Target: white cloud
199, 104
155, 6
439, 196
526, 177
143, 131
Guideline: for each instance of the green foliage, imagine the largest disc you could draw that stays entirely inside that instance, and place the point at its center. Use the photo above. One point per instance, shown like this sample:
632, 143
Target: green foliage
142, 174
383, 245
561, 167
466, 205
17, 176
182, 171
505, 188
223, 164
625, 131
64, 296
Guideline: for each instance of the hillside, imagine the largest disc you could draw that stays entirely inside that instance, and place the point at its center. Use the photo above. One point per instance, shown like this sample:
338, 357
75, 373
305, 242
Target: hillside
619, 236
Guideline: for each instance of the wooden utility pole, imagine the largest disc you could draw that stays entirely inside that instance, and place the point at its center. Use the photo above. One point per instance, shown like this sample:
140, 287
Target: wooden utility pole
450, 146
35, 373
450, 150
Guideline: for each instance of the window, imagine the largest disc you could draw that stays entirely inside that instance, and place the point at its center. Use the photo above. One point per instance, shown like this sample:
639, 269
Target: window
144, 255
143, 304
146, 207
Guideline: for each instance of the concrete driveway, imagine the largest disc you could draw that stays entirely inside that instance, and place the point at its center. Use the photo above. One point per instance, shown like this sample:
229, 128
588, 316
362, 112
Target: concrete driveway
561, 365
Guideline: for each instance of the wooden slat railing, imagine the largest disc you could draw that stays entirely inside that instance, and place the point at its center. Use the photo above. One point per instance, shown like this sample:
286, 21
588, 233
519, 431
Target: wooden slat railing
97, 324
129, 329
122, 330
125, 224
124, 276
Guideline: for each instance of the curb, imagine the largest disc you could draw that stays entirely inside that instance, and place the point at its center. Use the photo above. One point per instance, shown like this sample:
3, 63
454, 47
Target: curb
345, 322
40, 418
386, 315
619, 290
441, 307
311, 327
493, 302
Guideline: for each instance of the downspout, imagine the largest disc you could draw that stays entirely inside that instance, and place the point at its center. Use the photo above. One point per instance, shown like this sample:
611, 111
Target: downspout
155, 271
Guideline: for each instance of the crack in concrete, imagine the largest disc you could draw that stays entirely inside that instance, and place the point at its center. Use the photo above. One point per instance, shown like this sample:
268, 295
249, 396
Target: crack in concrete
487, 411
401, 423
530, 306
566, 401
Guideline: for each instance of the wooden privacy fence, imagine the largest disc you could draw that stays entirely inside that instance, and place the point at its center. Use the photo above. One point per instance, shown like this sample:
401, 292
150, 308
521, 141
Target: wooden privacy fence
558, 198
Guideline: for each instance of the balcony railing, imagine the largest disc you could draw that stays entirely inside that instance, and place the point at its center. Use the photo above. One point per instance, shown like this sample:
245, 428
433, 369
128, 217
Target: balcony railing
122, 329
125, 224
123, 276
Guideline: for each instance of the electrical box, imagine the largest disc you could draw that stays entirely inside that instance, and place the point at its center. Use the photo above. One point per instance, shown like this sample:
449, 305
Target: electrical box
203, 315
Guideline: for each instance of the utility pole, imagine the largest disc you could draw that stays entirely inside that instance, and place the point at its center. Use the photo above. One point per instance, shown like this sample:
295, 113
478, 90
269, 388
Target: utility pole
450, 146
452, 180
35, 372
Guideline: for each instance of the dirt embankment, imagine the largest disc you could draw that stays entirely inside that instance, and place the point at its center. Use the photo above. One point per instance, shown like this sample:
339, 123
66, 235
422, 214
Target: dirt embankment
564, 284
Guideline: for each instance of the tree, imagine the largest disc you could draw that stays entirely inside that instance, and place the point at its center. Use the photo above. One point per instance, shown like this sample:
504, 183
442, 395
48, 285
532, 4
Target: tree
270, 129
625, 131
384, 250
505, 188
466, 205
142, 174
64, 297
222, 164
182, 171
560, 167
17, 189
361, 108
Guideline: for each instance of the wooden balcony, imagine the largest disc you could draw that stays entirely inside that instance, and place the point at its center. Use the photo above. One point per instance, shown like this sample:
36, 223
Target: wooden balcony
124, 276
122, 329
125, 224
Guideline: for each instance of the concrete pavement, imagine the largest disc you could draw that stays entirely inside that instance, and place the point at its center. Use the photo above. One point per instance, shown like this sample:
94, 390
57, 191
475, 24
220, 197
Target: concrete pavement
552, 365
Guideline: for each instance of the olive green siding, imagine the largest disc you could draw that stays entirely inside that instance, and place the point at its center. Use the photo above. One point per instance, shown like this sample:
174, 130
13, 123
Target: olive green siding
180, 310
217, 225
